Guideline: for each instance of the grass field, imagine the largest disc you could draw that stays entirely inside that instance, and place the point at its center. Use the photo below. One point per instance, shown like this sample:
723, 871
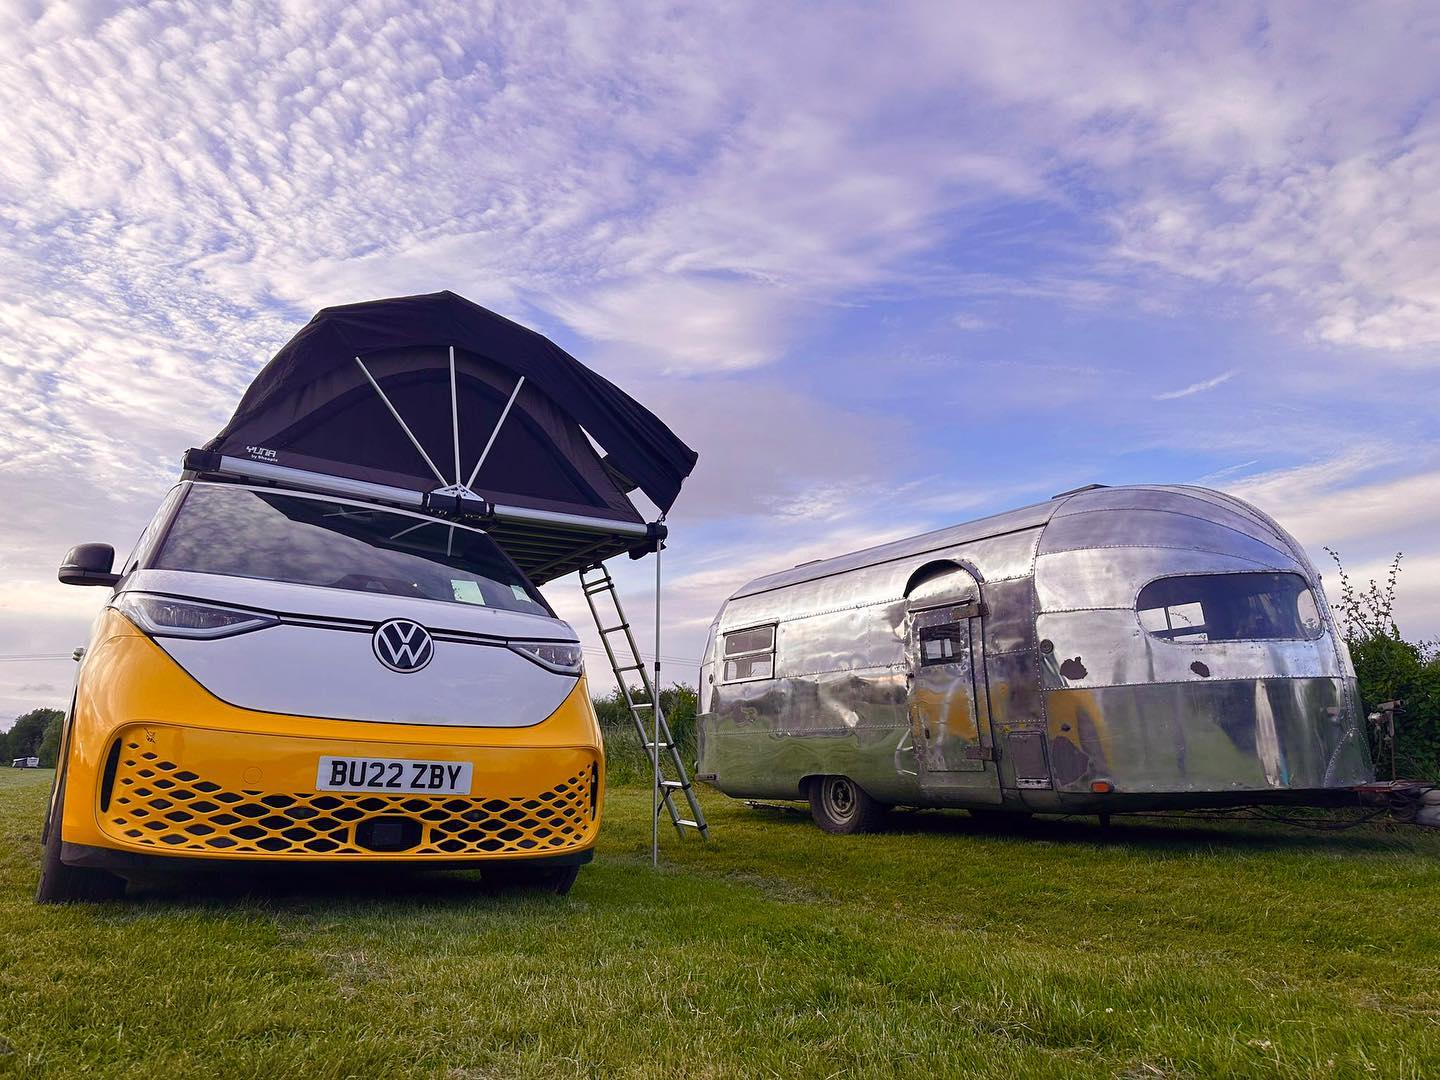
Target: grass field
939, 949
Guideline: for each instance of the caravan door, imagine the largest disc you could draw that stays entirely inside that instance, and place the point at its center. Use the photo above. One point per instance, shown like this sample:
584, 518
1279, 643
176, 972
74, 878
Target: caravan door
949, 713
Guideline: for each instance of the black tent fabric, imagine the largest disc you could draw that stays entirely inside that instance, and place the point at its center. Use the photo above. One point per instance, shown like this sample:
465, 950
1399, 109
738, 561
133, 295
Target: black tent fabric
312, 407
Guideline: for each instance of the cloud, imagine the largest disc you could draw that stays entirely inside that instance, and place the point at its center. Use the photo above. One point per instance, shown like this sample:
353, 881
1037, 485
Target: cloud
703, 202
1367, 504
1199, 387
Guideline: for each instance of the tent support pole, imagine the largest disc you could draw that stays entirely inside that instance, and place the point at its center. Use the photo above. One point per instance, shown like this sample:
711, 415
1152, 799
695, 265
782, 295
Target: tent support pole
498, 425
655, 716
401, 421
455, 414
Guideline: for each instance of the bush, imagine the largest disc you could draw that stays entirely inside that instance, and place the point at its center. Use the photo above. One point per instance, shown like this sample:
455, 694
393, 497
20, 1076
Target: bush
1389, 668
625, 759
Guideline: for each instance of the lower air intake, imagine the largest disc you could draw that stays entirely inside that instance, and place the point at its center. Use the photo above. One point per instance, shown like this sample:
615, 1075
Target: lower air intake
155, 803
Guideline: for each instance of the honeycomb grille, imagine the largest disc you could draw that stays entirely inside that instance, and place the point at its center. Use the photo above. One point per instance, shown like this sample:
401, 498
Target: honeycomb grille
157, 804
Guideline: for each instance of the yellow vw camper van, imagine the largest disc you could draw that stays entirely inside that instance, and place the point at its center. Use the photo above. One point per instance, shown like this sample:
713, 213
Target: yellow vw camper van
326, 649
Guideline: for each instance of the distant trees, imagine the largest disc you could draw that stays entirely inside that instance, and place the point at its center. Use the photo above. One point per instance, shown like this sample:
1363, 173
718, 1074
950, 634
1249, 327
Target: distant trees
1389, 668
36, 732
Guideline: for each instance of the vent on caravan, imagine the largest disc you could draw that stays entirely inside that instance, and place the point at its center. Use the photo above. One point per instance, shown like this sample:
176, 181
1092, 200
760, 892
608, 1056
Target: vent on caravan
1077, 491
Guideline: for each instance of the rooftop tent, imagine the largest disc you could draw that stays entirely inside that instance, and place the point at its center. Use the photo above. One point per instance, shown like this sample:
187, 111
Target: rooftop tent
436, 402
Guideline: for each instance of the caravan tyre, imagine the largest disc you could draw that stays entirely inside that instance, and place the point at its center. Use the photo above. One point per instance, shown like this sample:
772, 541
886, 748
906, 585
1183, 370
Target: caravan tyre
61, 884
839, 805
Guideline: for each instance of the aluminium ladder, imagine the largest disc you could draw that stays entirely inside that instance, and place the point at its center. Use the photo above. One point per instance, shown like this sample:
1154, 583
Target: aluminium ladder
667, 766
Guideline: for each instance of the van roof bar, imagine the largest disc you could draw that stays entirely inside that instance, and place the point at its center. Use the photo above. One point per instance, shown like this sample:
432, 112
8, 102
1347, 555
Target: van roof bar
436, 502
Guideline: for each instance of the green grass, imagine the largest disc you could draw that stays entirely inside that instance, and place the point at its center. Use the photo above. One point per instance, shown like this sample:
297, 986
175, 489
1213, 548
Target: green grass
939, 949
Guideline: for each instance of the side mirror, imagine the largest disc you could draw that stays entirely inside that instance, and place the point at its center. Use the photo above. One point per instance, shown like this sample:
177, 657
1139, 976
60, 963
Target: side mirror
89, 564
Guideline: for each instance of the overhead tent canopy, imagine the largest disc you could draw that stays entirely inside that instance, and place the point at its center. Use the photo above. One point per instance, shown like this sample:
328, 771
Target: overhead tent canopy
435, 402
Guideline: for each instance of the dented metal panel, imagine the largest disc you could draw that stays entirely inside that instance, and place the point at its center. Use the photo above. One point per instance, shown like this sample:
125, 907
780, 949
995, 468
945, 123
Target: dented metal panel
1256, 735
1112, 577
1108, 648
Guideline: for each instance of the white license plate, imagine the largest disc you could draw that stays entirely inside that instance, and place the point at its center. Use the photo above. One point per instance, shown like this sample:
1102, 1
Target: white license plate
393, 774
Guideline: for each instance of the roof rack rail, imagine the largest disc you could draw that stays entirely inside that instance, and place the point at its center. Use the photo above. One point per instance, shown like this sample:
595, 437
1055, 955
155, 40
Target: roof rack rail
442, 502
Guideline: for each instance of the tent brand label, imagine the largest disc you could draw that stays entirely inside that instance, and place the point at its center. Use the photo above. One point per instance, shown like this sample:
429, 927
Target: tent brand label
261, 453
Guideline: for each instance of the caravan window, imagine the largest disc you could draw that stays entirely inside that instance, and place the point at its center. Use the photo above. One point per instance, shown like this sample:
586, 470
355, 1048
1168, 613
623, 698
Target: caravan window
1230, 607
750, 654
947, 643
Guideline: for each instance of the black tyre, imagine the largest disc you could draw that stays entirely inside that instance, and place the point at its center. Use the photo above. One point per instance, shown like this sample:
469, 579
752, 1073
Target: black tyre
839, 805
550, 879
62, 884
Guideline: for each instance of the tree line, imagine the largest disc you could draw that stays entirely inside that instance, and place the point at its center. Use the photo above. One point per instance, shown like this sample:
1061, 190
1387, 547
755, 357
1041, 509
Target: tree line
33, 734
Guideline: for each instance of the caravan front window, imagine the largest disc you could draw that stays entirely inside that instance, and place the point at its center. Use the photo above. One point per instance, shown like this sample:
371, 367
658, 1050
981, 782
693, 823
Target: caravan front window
750, 654
1230, 607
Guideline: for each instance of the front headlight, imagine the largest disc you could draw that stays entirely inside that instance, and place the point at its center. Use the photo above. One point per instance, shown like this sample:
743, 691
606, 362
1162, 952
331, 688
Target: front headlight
565, 657
161, 616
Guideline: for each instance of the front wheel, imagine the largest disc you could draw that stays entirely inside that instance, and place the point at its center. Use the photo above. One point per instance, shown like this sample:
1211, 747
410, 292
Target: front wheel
62, 884
839, 805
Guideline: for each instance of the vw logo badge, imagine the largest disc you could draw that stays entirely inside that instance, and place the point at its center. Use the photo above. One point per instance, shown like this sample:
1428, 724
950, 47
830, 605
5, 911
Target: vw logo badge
403, 645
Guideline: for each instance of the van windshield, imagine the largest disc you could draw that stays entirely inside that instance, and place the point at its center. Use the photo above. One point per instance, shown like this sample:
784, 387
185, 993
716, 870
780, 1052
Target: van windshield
1230, 607
272, 536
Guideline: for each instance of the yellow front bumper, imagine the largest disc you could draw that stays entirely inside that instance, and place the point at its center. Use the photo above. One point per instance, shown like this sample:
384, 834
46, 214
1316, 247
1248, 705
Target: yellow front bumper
159, 766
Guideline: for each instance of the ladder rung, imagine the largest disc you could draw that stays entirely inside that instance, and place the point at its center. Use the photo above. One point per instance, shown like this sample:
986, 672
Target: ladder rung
673, 784
642, 705
687, 821
632, 667
612, 629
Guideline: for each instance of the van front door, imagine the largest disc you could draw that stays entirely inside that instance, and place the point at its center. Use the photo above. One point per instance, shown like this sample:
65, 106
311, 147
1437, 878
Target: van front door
949, 714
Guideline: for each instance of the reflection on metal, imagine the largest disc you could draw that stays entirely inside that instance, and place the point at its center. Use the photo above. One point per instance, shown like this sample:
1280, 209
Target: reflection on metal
1048, 693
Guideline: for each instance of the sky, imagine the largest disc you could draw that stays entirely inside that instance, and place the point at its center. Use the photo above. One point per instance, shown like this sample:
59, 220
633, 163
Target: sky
886, 267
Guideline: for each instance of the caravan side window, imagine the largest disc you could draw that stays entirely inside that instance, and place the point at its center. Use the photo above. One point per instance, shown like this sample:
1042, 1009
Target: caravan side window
948, 643
750, 654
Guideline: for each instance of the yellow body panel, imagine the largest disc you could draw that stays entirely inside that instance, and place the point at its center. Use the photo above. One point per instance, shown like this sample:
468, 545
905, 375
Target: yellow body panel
196, 777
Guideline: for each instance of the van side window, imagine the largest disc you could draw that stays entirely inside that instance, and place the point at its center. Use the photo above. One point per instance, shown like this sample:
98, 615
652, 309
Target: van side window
1197, 608
150, 538
750, 654
947, 643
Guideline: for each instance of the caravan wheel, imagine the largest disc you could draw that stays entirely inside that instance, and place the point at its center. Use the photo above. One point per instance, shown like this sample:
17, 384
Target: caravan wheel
839, 805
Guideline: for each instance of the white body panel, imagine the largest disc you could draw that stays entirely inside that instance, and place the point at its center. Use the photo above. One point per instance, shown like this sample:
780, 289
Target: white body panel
333, 672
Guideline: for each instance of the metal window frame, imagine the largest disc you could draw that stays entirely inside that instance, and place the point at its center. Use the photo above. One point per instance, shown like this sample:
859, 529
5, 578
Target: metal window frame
957, 630
749, 654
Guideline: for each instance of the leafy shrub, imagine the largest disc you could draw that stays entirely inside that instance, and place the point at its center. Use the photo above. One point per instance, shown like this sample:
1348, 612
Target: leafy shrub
1389, 668
625, 759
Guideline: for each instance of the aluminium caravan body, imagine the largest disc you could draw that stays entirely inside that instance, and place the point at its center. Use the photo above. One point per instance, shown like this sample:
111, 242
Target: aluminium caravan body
1113, 649
328, 647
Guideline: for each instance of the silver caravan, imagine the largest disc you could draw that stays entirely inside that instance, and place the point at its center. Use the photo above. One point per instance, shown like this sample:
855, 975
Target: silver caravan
1113, 649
